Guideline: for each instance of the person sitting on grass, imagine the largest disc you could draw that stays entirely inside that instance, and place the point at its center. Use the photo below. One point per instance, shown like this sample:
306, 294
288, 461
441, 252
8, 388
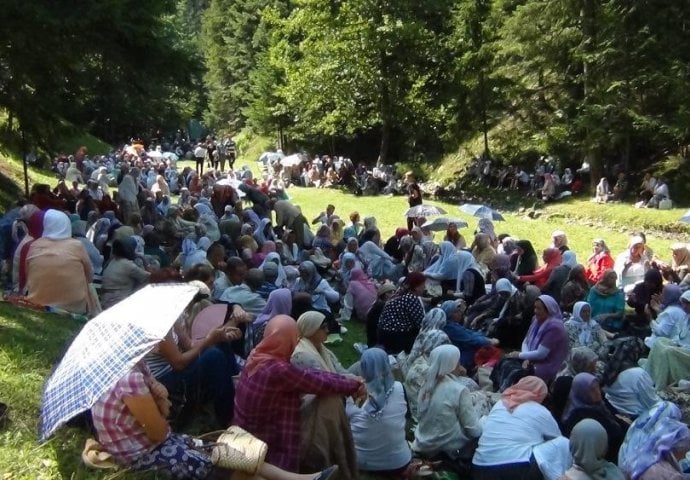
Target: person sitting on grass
130, 423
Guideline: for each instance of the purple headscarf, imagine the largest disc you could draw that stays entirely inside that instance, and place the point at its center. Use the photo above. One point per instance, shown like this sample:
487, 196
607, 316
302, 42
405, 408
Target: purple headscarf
552, 334
580, 393
670, 295
279, 303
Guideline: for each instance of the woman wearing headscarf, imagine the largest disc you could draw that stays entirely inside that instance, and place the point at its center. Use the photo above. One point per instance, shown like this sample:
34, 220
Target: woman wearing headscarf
402, 316
79, 232
669, 358
448, 423
581, 360
58, 269
325, 431
527, 260
34, 230
416, 365
445, 269
453, 236
469, 284
324, 241
598, 262
607, 302
435, 319
378, 426
585, 332
122, 276
379, 265
629, 388
515, 318
576, 288
467, 340
279, 303
268, 396
585, 401
486, 226
322, 294
672, 318
392, 246
348, 262
588, 445
560, 241
515, 425
546, 343
644, 297
274, 257
361, 294
679, 270
632, 264
413, 257
668, 448
483, 251
559, 276
481, 314
264, 232
638, 453
194, 253
552, 259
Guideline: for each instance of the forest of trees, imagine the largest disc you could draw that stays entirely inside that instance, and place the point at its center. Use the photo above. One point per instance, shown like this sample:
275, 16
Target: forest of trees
606, 80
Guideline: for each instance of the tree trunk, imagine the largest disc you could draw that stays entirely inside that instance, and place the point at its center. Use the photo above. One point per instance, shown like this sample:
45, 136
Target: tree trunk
385, 141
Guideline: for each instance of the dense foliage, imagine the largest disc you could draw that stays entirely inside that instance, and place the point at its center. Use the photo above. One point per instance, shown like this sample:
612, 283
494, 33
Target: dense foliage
115, 67
605, 80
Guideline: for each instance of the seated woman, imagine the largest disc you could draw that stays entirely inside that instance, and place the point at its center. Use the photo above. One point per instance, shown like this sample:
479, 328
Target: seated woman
632, 264
679, 270
56, 269
378, 426
589, 444
267, 400
379, 265
434, 319
514, 321
121, 276
392, 246
130, 423
413, 257
643, 446
546, 343
669, 358
322, 294
671, 319
448, 424
576, 288
644, 295
360, 296
581, 360
666, 450
585, 332
480, 315
325, 430
483, 251
468, 341
585, 401
470, 285
552, 259
629, 389
416, 365
445, 268
515, 425
402, 316
527, 260
607, 302
453, 236
598, 262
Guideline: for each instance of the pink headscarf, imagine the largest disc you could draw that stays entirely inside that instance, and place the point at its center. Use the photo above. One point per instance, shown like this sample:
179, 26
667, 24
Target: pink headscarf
280, 339
363, 292
528, 389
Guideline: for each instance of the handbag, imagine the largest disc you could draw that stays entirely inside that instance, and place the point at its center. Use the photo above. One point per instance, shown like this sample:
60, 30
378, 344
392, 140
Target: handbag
238, 449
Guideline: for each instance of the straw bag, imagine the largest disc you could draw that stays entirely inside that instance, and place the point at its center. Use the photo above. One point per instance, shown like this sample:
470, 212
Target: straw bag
238, 449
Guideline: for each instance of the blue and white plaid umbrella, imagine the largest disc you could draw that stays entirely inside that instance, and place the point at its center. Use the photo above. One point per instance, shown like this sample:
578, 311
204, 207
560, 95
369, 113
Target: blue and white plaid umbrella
481, 211
107, 348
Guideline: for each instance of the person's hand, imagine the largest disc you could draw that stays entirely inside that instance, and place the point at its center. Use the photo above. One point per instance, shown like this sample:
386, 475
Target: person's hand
232, 333
160, 396
515, 354
495, 341
239, 315
216, 335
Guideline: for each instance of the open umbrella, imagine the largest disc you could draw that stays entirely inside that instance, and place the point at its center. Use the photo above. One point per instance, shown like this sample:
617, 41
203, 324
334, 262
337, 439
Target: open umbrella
107, 348
441, 223
686, 217
481, 211
424, 211
234, 183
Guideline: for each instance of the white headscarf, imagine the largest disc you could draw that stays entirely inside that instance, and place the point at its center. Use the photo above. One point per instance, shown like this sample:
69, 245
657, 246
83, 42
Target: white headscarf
56, 225
442, 361
584, 335
465, 261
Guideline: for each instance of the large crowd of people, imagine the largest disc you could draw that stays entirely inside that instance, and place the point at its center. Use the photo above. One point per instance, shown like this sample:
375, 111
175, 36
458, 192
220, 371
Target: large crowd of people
488, 355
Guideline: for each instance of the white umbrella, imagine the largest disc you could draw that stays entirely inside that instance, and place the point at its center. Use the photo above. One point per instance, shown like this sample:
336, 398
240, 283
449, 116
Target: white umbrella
154, 154
424, 211
234, 183
441, 223
481, 211
107, 348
